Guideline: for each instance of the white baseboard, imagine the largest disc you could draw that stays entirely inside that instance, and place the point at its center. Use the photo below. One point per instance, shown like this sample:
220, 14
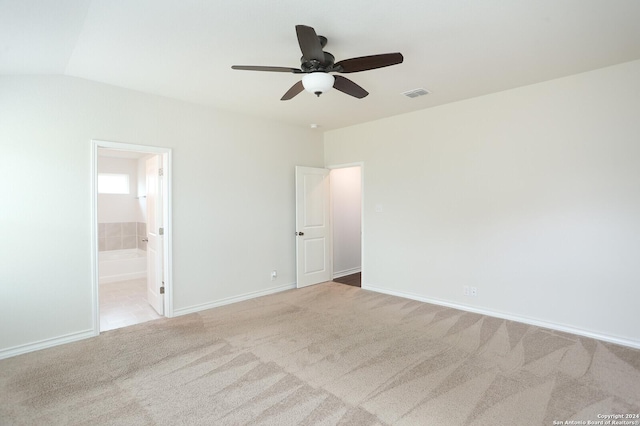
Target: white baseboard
47, 343
230, 300
545, 324
346, 272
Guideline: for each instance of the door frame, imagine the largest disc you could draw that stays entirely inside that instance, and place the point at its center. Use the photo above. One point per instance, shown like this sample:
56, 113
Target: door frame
165, 154
362, 234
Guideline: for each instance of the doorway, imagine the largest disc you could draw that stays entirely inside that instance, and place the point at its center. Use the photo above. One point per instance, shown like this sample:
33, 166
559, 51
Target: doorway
131, 234
316, 205
346, 215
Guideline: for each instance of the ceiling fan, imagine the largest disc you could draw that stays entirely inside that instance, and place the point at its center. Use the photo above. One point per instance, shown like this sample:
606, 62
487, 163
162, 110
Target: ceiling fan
317, 64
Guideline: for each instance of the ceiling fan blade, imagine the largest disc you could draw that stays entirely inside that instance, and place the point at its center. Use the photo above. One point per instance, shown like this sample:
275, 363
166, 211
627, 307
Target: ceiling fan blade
295, 89
365, 63
309, 43
347, 86
272, 69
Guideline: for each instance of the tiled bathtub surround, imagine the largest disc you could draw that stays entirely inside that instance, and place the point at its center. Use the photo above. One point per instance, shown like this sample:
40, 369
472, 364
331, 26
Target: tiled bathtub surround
122, 235
141, 229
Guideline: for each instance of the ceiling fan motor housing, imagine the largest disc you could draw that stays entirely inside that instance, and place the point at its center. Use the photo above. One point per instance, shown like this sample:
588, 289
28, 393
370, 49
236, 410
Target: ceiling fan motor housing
314, 65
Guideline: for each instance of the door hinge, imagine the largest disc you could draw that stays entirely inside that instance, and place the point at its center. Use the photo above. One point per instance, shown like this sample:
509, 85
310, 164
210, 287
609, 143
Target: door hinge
160, 171
162, 288
160, 231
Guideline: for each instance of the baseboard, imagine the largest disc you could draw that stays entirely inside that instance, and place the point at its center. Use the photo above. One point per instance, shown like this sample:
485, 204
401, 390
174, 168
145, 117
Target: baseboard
544, 324
234, 299
346, 272
47, 343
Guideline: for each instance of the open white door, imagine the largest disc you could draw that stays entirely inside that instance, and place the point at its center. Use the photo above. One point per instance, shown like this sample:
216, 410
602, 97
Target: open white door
155, 289
313, 233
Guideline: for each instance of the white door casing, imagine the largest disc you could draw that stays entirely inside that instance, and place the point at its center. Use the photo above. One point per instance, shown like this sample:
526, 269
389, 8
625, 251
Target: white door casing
155, 295
313, 231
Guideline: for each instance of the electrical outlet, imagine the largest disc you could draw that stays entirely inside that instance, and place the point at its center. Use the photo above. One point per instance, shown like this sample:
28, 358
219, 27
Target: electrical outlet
474, 291
274, 275
465, 290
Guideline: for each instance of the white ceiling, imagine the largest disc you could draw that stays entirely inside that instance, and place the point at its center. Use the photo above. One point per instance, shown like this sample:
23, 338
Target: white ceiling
184, 49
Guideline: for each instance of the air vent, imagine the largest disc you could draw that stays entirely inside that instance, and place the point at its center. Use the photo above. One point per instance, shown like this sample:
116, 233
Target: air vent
415, 93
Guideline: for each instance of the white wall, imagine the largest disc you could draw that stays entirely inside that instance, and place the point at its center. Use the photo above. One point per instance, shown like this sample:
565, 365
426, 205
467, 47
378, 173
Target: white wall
233, 199
113, 208
346, 199
532, 195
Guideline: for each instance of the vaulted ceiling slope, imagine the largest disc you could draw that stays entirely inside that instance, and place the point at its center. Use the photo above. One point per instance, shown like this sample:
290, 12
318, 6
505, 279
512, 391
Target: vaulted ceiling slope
184, 49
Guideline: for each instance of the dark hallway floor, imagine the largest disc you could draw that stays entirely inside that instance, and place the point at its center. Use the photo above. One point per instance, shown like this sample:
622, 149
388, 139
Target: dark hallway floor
353, 279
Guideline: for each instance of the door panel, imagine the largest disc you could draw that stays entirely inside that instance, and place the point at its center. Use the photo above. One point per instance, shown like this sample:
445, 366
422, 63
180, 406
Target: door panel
314, 253
313, 236
313, 193
154, 244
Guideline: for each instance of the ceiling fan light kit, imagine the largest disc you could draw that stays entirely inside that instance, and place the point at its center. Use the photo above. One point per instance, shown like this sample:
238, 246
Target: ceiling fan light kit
318, 82
317, 64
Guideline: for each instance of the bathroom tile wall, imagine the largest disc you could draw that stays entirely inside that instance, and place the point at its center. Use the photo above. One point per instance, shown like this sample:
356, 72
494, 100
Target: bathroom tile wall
122, 235
142, 235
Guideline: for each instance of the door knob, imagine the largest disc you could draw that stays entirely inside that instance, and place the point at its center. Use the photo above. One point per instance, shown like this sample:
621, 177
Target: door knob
300, 234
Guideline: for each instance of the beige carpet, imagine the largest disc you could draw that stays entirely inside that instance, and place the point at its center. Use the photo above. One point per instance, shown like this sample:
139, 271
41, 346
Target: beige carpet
327, 354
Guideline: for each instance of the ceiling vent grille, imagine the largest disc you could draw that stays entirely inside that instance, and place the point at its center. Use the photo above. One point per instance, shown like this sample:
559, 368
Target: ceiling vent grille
415, 93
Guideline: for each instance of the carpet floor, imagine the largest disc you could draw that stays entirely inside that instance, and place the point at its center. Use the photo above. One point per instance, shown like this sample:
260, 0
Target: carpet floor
324, 355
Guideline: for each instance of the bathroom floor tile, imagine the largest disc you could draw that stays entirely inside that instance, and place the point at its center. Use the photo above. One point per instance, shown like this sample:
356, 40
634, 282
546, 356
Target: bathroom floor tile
124, 303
